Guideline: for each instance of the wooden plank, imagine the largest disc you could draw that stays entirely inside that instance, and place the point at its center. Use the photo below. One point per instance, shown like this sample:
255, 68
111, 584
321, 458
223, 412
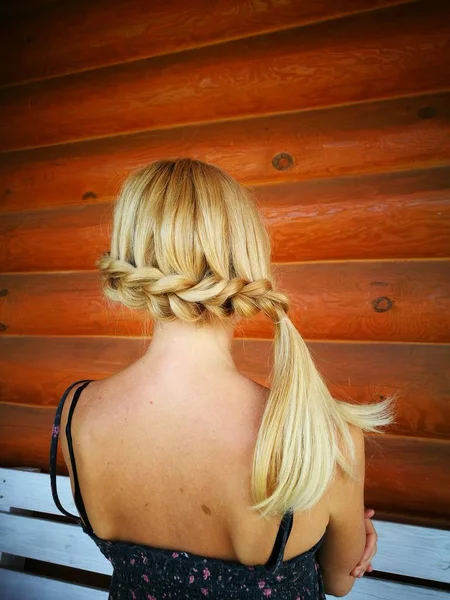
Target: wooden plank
423, 521
353, 59
419, 552
332, 216
412, 551
404, 474
25, 586
371, 588
28, 239
330, 213
363, 372
402, 462
70, 37
64, 360
58, 543
31, 491
361, 300
365, 138
33, 426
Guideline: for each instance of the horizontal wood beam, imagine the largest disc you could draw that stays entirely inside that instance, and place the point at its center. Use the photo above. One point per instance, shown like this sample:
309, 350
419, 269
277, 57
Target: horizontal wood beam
24, 585
403, 134
398, 51
75, 36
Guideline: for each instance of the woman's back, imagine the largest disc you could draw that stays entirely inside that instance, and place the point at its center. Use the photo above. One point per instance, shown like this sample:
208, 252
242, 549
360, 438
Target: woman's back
166, 461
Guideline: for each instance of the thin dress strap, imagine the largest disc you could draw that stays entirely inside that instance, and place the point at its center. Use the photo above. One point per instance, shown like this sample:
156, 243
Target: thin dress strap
281, 540
54, 451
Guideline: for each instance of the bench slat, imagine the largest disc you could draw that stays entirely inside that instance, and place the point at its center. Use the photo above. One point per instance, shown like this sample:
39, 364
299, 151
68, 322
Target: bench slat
414, 551
31, 491
369, 588
15, 585
58, 543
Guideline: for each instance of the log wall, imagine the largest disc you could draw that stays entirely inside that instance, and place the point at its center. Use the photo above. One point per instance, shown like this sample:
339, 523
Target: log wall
337, 112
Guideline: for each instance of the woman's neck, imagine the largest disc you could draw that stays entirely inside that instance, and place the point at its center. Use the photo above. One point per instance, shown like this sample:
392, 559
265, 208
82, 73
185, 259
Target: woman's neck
180, 343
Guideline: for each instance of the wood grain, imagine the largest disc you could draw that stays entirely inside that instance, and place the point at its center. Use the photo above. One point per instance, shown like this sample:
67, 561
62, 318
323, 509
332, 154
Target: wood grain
370, 300
364, 138
397, 51
404, 474
410, 473
356, 92
52, 585
324, 219
37, 370
68, 37
19, 9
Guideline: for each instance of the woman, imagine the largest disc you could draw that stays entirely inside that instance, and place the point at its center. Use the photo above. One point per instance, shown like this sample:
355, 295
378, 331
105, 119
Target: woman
193, 480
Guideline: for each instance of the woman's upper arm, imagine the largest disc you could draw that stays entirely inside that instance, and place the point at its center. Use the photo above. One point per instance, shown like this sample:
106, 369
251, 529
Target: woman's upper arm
345, 538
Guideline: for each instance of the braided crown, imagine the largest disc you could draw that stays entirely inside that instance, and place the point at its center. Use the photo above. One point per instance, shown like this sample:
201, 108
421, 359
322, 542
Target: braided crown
172, 296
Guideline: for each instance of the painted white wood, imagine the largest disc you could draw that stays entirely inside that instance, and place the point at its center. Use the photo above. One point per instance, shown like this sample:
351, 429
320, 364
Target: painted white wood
420, 552
376, 589
58, 543
10, 561
23, 586
25, 489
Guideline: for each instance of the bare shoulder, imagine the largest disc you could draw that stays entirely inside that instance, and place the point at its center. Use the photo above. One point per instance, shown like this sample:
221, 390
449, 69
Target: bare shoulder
84, 403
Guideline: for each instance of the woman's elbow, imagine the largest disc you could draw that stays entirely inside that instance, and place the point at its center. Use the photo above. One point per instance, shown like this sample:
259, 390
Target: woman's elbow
339, 586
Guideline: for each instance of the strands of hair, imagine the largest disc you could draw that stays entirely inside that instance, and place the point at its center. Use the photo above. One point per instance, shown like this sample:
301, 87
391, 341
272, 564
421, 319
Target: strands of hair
189, 243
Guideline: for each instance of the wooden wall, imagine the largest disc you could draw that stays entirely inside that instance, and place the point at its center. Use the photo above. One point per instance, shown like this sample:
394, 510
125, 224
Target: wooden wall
337, 111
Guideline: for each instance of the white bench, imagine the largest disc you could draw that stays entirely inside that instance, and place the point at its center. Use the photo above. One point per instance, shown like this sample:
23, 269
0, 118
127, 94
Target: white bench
404, 550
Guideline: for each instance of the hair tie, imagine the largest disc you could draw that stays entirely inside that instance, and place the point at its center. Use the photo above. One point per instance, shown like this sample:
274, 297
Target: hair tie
282, 319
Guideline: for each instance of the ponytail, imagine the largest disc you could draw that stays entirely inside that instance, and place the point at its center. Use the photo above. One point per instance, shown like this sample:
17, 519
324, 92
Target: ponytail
302, 431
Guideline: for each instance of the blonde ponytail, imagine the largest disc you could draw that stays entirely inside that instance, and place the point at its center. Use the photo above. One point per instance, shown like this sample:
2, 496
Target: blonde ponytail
304, 430
189, 243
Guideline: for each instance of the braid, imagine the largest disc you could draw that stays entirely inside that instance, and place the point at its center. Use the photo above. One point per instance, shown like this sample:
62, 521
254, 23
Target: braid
173, 296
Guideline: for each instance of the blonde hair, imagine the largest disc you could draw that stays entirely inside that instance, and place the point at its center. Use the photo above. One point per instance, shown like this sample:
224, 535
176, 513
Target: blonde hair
189, 243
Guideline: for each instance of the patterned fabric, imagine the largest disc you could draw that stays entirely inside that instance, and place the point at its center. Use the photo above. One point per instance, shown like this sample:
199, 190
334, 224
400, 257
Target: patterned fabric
143, 572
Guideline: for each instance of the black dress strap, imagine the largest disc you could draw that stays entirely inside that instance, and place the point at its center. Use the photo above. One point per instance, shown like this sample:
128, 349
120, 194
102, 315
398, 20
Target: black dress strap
54, 451
281, 540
